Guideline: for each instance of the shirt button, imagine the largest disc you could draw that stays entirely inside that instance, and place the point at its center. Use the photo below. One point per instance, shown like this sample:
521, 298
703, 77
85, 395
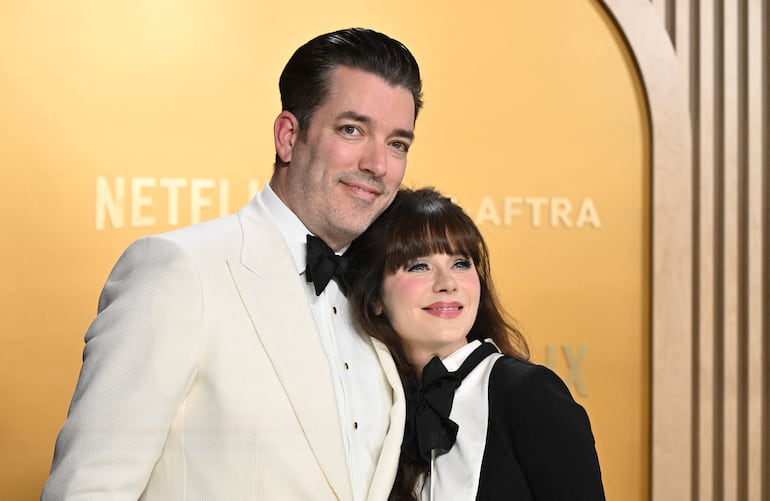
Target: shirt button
347, 367
334, 310
355, 425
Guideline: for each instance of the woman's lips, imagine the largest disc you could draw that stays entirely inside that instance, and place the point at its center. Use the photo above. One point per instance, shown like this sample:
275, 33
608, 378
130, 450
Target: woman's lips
444, 310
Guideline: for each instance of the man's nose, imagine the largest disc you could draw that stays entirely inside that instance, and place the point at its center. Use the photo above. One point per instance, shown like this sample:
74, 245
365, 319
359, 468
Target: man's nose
374, 159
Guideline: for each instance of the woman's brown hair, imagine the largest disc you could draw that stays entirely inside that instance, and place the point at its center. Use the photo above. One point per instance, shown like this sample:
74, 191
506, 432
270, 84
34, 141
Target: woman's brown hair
420, 223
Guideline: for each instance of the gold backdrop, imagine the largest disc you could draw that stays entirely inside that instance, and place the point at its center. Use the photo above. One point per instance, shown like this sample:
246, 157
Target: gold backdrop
119, 119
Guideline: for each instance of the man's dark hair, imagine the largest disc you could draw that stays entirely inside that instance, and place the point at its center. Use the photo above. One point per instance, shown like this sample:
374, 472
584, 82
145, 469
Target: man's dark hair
305, 81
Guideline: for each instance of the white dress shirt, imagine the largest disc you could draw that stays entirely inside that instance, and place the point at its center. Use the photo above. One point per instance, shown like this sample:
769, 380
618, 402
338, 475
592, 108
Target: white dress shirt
455, 474
363, 394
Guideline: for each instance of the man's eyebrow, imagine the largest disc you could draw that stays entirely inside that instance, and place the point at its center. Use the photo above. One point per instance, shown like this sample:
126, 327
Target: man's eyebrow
408, 134
352, 115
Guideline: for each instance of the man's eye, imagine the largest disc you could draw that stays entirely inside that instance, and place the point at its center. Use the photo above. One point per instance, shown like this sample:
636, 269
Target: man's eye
400, 145
350, 130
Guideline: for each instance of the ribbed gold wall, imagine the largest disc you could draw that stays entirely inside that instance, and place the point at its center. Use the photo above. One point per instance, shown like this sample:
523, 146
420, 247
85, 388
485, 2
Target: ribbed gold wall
723, 46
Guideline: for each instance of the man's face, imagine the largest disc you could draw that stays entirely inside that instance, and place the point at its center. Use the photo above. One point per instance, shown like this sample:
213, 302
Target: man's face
347, 166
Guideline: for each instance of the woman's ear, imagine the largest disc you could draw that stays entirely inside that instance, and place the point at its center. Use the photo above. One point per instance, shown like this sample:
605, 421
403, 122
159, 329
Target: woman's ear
285, 132
377, 308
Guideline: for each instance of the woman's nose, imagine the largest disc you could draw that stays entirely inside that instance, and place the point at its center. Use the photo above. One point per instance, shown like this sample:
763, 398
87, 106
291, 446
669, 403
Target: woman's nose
445, 281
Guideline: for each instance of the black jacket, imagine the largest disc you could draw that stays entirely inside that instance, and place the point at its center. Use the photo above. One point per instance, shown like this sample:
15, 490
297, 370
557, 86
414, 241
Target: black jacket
539, 441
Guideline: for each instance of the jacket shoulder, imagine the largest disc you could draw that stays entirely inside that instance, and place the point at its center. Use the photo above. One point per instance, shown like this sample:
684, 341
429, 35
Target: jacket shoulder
514, 373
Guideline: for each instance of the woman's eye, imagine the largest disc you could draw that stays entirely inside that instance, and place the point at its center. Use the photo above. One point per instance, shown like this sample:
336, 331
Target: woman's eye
417, 267
464, 264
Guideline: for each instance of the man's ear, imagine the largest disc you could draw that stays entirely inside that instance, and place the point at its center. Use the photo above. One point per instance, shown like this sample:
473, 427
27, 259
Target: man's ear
285, 132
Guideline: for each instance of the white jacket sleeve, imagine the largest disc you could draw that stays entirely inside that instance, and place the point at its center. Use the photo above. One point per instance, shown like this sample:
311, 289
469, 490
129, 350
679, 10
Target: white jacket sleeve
139, 361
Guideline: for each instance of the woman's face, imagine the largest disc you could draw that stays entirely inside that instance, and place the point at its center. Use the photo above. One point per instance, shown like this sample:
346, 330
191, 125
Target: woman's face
432, 303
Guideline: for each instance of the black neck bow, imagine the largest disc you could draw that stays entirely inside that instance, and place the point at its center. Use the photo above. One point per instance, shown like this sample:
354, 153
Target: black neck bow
323, 264
428, 426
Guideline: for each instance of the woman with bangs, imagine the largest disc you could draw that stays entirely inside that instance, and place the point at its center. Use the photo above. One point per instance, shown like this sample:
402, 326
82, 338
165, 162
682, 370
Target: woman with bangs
482, 423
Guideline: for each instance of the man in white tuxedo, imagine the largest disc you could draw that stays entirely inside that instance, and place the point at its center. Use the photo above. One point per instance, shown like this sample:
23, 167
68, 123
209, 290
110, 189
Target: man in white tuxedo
215, 370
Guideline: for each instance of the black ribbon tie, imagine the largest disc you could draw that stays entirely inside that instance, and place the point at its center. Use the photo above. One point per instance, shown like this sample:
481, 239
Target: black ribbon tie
428, 427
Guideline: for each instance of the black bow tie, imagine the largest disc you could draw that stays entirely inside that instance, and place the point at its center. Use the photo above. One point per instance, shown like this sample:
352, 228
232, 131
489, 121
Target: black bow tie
428, 426
323, 264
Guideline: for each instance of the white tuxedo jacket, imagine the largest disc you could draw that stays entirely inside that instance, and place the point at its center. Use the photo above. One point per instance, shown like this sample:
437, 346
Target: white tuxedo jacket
204, 378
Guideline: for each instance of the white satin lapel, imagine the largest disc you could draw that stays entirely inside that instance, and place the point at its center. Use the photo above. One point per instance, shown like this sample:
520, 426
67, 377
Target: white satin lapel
272, 294
385, 471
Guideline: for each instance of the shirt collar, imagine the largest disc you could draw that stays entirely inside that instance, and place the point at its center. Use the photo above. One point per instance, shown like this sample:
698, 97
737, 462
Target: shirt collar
291, 227
453, 361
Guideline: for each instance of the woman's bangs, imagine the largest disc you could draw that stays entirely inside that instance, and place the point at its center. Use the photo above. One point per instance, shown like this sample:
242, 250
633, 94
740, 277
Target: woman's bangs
412, 241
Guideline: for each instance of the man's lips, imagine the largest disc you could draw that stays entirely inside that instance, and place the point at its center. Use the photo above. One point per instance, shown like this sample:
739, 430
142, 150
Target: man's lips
362, 190
444, 309
367, 189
